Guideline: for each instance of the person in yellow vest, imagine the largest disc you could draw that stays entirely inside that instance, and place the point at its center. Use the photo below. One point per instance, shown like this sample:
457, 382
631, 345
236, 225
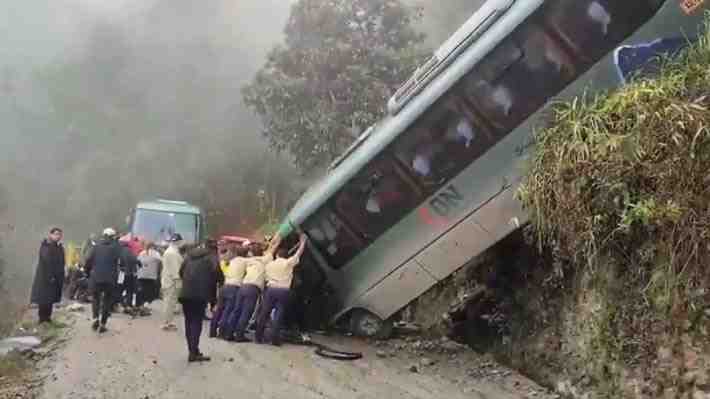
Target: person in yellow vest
252, 286
279, 275
225, 256
233, 279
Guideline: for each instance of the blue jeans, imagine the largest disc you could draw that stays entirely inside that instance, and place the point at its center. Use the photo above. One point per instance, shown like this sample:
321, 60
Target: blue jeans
229, 313
274, 298
246, 301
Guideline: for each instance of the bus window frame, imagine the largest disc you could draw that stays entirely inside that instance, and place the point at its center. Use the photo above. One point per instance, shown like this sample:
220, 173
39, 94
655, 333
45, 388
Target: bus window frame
452, 102
353, 235
522, 39
416, 198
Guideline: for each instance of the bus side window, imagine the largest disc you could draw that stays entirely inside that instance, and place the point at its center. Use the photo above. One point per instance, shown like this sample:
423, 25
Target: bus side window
332, 238
539, 70
442, 142
376, 199
592, 28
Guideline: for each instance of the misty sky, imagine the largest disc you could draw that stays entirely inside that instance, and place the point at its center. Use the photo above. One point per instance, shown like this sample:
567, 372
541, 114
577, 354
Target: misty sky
104, 103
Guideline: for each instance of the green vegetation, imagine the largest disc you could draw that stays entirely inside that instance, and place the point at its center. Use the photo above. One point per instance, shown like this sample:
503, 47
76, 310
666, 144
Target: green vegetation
13, 365
332, 78
619, 190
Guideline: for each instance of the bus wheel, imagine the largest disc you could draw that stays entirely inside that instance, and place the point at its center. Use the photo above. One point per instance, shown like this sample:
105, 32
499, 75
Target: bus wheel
367, 325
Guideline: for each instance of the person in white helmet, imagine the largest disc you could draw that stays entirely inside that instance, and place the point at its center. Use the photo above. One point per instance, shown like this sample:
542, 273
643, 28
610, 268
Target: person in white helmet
102, 265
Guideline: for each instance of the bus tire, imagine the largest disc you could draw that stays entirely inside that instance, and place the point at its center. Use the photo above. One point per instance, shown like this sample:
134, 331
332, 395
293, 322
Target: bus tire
368, 325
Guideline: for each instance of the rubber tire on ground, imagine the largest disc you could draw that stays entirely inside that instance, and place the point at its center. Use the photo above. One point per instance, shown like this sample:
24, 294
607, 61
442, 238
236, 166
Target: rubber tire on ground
368, 325
330, 353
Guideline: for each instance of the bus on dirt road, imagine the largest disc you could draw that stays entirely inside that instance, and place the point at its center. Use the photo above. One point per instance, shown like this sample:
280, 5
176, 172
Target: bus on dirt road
159, 219
431, 186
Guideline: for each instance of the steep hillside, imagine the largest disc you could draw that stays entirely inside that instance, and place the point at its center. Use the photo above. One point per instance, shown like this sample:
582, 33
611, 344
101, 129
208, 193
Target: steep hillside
605, 294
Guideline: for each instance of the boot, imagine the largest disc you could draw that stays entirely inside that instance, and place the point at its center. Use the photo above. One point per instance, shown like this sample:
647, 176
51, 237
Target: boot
198, 357
241, 338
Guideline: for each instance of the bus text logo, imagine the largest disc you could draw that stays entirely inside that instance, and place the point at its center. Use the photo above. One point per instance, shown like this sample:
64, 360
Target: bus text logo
441, 206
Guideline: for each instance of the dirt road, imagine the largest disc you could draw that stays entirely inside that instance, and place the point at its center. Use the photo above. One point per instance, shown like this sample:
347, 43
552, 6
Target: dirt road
135, 359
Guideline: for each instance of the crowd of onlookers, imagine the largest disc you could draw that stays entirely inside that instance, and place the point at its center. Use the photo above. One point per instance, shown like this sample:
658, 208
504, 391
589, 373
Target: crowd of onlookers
242, 286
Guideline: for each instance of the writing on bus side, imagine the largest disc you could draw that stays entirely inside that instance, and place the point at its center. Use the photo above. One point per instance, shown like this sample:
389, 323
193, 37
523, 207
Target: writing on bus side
446, 201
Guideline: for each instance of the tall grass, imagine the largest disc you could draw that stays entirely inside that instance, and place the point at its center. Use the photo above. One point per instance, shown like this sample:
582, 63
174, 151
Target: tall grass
618, 171
619, 186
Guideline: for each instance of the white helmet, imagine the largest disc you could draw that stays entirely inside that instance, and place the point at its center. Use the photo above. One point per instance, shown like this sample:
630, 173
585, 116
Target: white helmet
109, 232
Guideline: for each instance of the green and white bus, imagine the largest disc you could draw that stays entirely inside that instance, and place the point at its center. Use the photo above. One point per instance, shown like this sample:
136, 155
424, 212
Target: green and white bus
431, 186
159, 219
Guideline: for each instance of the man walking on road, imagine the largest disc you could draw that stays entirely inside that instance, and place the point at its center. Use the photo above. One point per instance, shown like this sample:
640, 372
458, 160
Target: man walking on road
49, 277
199, 274
172, 261
102, 264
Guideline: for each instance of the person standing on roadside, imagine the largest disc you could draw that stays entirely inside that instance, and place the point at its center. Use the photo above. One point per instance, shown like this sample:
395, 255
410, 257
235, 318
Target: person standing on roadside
128, 269
103, 267
170, 281
199, 274
279, 275
49, 278
150, 266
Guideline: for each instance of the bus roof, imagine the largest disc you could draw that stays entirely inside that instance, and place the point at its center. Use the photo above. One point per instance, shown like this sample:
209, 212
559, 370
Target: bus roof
162, 205
389, 128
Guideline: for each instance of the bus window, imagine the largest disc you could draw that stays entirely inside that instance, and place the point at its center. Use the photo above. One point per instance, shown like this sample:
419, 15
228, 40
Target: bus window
529, 68
376, 198
592, 28
332, 238
442, 143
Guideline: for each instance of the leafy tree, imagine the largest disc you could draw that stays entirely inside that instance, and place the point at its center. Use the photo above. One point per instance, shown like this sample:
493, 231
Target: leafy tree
341, 61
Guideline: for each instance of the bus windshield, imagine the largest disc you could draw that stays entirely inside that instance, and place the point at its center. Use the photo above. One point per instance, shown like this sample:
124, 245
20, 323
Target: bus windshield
158, 226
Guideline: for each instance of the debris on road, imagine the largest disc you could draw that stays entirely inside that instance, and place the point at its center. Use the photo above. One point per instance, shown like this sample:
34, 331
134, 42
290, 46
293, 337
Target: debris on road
426, 362
76, 307
19, 344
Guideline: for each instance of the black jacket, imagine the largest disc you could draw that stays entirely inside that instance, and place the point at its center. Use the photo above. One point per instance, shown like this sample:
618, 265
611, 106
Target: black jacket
103, 262
49, 277
128, 263
199, 274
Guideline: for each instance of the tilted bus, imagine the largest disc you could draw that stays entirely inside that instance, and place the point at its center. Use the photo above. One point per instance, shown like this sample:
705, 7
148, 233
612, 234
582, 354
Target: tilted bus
432, 185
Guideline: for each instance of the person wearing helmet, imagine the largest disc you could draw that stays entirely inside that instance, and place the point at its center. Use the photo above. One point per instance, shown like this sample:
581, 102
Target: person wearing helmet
103, 265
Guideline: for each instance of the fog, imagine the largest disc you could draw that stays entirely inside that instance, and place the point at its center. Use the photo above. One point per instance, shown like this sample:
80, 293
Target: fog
104, 103
107, 103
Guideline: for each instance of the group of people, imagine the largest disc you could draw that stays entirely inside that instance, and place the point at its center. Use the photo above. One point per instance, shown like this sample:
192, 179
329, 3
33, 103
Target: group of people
254, 276
192, 275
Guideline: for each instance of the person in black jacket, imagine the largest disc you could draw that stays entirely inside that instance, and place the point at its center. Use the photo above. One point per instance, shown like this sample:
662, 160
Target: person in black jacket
49, 277
102, 264
199, 273
129, 266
